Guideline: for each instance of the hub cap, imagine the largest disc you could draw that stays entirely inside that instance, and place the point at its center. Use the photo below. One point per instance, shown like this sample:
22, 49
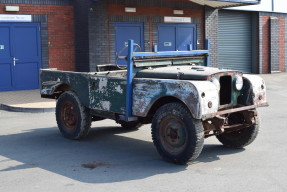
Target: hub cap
173, 134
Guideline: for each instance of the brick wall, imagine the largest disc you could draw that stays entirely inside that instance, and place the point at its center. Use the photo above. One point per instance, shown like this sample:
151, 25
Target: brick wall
282, 44
211, 33
285, 45
272, 42
57, 28
265, 44
277, 52
98, 36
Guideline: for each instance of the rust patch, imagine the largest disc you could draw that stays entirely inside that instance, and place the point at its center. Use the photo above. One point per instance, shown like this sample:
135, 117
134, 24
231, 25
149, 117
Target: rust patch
147, 92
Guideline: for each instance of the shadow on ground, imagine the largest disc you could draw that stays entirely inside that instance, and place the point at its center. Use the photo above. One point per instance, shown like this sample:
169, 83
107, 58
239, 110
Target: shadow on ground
106, 156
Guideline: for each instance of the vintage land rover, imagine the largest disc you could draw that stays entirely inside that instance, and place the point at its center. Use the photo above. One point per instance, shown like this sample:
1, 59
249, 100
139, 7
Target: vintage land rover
183, 101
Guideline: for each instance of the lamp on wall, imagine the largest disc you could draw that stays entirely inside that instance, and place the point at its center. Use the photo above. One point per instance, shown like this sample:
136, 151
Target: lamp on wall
12, 8
130, 9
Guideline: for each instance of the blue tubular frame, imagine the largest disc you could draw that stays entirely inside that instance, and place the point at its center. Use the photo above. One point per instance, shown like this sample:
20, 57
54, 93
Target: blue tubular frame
170, 53
129, 96
131, 55
207, 47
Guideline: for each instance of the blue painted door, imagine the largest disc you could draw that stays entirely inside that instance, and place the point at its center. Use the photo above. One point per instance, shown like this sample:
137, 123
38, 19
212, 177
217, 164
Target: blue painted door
173, 37
124, 32
20, 56
5, 58
167, 38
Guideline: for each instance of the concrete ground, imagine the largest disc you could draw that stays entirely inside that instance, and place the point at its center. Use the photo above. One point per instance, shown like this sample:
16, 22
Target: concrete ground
25, 101
35, 157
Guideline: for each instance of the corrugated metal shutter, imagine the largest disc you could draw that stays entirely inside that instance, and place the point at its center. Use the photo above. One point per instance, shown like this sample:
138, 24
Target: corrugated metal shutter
234, 43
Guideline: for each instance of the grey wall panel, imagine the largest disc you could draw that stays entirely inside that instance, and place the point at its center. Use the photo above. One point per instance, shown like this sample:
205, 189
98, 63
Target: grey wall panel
260, 46
273, 14
235, 40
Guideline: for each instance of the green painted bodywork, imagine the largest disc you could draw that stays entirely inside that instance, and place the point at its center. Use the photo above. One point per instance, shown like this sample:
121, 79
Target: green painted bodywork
107, 93
52, 80
177, 78
98, 92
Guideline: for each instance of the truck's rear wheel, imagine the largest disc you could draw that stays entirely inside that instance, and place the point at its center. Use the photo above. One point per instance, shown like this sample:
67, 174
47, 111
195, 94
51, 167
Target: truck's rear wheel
73, 119
177, 136
241, 138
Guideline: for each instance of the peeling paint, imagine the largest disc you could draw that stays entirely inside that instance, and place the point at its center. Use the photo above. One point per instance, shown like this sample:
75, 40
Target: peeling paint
92, 99
110, 89
258, 88
148, 91
45, 91
119, 89
102, 84
107, 92
106, 105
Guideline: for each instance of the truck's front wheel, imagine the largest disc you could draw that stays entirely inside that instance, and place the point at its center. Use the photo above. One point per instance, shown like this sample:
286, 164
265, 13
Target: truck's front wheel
243, 137
73, 119
177, 136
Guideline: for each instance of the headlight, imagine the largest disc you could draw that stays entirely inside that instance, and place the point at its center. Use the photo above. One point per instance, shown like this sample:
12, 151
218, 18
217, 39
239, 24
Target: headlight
216, 83
238, 83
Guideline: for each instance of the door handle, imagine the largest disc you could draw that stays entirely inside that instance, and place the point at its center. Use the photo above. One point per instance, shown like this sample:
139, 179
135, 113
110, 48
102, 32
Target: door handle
14, 61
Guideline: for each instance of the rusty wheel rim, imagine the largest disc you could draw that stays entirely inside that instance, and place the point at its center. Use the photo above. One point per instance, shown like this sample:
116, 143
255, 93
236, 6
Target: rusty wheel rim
68, 115
173, 135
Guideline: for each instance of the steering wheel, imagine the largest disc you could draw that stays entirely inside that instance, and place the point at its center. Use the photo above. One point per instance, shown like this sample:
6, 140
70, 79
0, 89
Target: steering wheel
137, 46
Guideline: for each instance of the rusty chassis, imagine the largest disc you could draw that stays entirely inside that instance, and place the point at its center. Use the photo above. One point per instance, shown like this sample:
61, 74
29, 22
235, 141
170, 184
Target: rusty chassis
218, 123
233, 110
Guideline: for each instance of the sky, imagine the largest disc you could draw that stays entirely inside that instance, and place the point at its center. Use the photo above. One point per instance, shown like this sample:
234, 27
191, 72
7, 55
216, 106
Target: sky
280, 6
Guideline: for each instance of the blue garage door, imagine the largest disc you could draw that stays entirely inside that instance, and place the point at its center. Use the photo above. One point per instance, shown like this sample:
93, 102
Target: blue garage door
173, 37
124, 32
20, 56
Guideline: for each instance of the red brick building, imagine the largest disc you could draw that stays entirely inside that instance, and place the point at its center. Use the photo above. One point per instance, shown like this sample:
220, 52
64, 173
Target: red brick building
77, 35
170, 24
34, 36
273, 36
252, 41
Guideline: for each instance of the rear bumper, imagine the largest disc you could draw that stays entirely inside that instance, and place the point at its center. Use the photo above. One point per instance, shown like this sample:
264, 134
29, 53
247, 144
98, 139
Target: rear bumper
234, 110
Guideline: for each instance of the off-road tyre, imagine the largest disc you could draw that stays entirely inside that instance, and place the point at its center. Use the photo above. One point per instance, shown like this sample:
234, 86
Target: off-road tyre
73, 119
177, 136
130, 125
241, 138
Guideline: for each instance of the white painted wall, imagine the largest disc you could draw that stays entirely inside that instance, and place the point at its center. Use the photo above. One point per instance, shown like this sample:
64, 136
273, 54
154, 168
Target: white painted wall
280, 6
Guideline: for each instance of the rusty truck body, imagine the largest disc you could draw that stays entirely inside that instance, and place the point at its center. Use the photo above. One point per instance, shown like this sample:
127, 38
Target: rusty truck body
184, 102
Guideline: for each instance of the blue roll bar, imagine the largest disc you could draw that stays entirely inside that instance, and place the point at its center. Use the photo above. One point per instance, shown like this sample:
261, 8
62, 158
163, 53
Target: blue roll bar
130, 61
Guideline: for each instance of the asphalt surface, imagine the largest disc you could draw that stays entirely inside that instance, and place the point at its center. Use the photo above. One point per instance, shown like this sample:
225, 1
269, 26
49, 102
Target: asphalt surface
35, 157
